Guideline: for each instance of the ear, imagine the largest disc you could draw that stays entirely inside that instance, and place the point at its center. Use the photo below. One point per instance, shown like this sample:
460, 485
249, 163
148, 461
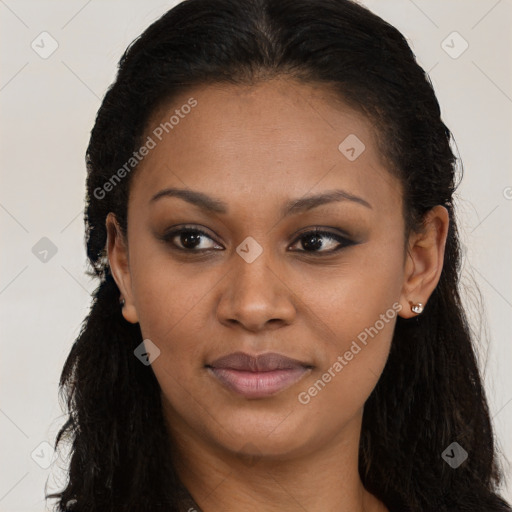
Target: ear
117, 251
424, 260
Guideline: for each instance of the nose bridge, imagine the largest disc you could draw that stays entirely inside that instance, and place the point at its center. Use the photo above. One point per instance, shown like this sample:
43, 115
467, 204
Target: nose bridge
253, 264
257, 293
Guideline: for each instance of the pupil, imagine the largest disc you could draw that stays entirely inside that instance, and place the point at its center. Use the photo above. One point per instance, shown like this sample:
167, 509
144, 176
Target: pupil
187, 236
317, 244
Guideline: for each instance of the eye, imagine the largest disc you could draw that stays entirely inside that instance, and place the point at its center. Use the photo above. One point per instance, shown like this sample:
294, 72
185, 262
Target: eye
320, 239
189, 239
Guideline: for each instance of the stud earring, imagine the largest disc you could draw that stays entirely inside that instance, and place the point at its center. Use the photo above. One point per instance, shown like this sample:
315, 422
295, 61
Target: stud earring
417, 308
122, 302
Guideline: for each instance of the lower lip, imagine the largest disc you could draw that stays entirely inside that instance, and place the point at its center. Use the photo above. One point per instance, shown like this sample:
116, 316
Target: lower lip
258, 384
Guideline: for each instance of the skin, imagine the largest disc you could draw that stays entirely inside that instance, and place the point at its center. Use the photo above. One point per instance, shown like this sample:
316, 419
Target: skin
255, 148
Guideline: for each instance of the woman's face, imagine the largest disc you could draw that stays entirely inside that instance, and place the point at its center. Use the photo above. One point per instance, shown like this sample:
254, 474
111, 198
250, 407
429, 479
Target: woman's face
257, 280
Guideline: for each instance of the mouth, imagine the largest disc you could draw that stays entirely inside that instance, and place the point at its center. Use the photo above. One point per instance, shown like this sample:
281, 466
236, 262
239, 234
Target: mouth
257, 376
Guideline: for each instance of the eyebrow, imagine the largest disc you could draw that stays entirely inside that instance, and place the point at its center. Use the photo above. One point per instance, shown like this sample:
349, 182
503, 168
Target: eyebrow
291, 207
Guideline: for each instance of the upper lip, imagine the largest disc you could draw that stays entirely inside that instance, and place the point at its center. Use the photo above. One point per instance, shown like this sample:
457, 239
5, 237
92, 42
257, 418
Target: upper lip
259, 363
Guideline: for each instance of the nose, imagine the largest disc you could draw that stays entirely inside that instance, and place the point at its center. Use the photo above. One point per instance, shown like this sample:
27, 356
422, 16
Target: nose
256, 296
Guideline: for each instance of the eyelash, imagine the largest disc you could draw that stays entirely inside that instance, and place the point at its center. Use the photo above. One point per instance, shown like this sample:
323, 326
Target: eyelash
342, 240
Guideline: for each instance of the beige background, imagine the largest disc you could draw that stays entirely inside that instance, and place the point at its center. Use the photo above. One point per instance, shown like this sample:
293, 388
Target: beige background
48, 107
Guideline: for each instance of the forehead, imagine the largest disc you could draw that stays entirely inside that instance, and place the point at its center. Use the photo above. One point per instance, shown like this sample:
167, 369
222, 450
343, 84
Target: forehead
276, 137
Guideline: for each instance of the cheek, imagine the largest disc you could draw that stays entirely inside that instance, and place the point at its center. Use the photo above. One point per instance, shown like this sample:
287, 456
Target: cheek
338, 392
360, 306
353, 356
350, 296
176, 313
166, 293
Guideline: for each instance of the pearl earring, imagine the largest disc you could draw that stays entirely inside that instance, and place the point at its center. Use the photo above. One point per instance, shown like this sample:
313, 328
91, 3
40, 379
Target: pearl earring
417, 308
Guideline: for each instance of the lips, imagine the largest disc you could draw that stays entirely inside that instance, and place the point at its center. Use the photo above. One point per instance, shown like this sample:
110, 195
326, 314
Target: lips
260, 363
257, 376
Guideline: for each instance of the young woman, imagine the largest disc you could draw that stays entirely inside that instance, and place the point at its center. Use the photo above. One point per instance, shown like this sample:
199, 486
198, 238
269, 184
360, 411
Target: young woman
278, 324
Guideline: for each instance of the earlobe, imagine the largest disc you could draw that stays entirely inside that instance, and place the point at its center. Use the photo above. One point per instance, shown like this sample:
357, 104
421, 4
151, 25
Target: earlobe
118, 259
424, 262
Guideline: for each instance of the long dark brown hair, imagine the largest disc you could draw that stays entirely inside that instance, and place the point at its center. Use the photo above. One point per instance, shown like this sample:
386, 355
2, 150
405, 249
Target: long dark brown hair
430, 393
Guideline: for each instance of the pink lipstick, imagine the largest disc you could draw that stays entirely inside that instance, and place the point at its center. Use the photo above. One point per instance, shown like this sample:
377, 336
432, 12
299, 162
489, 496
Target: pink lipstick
257, 376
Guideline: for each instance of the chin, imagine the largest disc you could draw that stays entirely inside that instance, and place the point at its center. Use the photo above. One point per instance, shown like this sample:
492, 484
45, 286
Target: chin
269, 435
